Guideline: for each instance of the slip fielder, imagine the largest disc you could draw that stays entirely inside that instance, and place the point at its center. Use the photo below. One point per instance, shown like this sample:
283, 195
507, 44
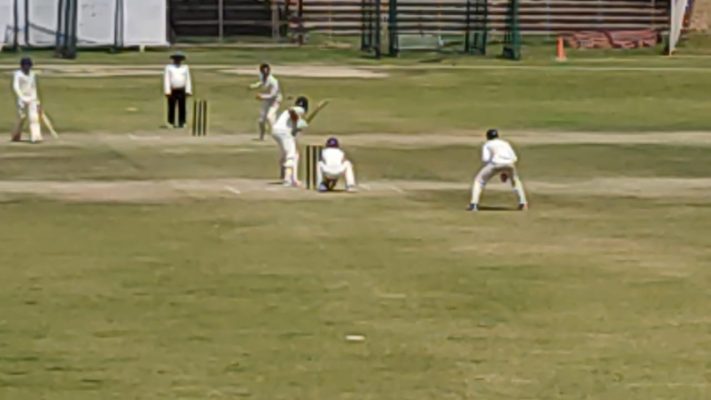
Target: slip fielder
271, 98
499, 158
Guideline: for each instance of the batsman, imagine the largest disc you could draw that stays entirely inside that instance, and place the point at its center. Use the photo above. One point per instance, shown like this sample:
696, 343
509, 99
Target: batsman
24, 85
288, 126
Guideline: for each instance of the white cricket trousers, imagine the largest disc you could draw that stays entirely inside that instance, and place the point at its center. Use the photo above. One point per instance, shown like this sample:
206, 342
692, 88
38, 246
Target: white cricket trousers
289, 159
490, 170
32, 112
335, 172
268, 114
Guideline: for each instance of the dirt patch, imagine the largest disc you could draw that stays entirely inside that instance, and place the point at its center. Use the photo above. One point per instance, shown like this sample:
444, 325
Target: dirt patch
160, 191
313, 71
97, 72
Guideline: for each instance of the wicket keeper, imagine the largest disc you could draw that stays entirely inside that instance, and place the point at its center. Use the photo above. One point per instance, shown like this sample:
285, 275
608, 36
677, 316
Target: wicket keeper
499, 158
333, 166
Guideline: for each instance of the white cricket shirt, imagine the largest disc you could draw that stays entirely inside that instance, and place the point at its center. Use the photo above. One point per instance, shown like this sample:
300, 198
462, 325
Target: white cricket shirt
272, 91
177, 77
333, 156
284, 125
25, 86
498, 152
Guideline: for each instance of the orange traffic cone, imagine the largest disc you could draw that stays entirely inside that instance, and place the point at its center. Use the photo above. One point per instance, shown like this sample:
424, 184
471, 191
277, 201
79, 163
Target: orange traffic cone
560, 56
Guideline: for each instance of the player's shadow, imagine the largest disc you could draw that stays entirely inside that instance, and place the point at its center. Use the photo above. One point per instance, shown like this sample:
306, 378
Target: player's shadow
497, 208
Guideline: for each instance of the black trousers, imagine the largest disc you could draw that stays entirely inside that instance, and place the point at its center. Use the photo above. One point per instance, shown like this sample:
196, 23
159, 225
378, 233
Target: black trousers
177, 97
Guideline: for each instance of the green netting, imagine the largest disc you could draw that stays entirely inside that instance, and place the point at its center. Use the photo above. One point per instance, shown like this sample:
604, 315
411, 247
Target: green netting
371, 27
512, 36
477, 27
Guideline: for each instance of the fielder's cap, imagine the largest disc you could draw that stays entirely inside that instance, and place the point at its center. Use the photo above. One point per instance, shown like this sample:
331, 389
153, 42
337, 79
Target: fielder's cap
178, 55
26, 61
492, 134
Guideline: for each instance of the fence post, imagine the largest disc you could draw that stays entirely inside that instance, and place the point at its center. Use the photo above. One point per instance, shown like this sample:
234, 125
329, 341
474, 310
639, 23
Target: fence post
275, 20
393, 35
221, 19
301, 22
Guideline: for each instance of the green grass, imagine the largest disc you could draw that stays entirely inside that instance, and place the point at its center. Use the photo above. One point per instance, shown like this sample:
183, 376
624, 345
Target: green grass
442, 100
253, 299
582, 297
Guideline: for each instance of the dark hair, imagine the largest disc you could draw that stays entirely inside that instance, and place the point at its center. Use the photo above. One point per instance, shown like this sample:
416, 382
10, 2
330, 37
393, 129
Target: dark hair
492, 134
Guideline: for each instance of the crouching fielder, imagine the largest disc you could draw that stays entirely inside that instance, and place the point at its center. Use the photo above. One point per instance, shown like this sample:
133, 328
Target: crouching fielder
334, 165
24, 85
290, 123
499, 158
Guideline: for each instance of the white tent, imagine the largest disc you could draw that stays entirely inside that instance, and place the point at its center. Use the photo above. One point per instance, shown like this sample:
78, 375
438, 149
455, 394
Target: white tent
99, 23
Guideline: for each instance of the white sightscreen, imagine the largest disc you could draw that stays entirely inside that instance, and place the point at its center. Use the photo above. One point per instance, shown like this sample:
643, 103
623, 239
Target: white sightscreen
144, 23
676, 26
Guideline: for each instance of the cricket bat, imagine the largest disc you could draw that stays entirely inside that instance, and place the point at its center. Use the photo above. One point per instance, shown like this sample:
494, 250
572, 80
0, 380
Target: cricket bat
48, 123
321, 105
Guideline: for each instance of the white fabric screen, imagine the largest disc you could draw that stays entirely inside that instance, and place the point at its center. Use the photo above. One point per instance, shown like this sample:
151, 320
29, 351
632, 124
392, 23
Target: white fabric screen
144, 23
676, 25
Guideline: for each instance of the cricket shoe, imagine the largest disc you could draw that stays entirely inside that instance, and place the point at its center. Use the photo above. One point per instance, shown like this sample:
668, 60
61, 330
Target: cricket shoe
473, 207
523, 207
323, 188
351, 189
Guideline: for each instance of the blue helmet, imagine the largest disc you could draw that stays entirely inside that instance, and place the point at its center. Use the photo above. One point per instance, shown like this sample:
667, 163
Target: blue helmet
492, 134
332, 142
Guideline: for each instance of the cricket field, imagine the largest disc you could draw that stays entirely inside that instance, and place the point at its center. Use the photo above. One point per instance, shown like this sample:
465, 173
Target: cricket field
139, 262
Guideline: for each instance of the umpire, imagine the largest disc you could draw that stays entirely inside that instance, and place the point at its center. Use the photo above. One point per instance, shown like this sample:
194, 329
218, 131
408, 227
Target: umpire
177, 86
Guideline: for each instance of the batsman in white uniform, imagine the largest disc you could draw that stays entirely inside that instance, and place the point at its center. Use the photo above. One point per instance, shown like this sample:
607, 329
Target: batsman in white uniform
333, 166
270, 97
499, 158
290, 123
24, 85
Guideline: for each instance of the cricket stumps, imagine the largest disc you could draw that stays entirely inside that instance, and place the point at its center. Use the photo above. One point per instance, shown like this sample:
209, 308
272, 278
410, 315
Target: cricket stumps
313, 156
200, 117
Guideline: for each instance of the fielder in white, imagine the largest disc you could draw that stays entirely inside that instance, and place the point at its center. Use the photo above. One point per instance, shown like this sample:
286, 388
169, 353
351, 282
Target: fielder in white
24, 85
290, 123
333, 166
270, 97
499, 158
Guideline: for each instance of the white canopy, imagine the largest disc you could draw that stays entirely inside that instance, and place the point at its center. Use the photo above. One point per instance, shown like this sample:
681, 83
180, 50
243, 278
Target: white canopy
141, 22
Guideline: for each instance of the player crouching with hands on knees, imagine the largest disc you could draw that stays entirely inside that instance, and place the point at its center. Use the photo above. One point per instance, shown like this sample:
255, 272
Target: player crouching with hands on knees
499, 158
24, 85
333, 166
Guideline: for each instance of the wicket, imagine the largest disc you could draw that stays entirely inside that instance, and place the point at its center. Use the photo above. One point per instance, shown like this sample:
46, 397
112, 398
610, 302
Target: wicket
200, 117
313, 156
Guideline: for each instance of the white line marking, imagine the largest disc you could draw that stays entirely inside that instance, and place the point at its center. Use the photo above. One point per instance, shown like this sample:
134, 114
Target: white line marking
135, 137
396, 189
233, 190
